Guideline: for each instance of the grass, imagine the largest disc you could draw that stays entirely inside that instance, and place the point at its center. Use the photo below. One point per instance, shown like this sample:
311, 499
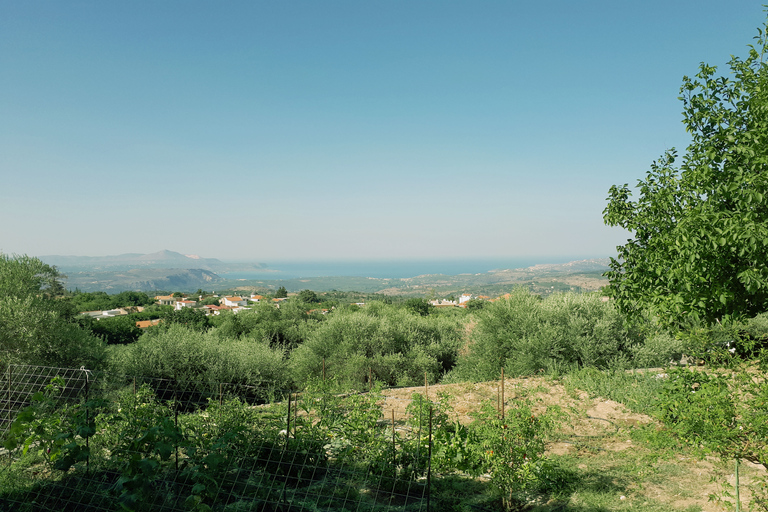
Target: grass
636, 390
622, 462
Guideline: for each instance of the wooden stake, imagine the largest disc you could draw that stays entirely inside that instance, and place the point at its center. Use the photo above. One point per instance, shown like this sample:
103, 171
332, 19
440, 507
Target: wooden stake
394, 448
288, 426
429, 457
502, 393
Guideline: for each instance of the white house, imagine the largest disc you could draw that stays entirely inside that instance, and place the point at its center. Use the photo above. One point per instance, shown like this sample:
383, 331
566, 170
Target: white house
464, 298
233, 301
165, 300
184, 304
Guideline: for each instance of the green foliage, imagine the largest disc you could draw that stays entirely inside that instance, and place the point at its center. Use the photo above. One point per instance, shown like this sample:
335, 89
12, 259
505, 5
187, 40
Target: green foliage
657, 351
700, 230
394, 345
526, 335
350, 422
210, 301
181, 354
192, 318
118, 330
476, 304
511, 450
451, 450
722, 413
284, 328
307, 296
638, 391
420, 307
56, 431
281, 293
35, 327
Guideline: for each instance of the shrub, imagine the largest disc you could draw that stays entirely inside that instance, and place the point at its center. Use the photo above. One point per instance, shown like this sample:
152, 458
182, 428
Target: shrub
397, 347
182, 354
526, 335
658, 350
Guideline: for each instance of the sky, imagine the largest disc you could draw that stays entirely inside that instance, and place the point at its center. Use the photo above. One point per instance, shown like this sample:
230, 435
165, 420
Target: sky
341, 130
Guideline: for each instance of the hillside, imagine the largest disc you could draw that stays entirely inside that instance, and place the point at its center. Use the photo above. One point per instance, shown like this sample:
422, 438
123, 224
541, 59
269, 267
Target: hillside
169, 270
584, 275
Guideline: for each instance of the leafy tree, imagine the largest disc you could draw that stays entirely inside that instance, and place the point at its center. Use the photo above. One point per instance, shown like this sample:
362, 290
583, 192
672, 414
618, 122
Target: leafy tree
210, 301
389, 342
195, 319
525, 335
476, 304
129, 298
118, 330
700, 230
420, 307
308, 296
281, 293
36, 328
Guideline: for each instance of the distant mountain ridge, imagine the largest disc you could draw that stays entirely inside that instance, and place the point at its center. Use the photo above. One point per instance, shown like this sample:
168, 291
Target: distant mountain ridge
164, 259
172, 271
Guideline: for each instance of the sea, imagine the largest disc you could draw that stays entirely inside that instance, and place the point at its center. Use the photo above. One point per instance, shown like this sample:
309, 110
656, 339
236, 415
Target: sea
391, 269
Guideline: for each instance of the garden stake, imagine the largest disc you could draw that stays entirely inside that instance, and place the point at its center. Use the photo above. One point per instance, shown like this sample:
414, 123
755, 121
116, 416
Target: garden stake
10, 407
426, 386
323, 369
134, 385
429, 457
288, 427
176, 424
370, 379
418, 438
502, 393
295, 415
394, 448
738, 499
87, 438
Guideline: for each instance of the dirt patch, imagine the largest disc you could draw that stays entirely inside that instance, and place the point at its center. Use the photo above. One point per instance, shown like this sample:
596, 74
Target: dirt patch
587, 416
598, 432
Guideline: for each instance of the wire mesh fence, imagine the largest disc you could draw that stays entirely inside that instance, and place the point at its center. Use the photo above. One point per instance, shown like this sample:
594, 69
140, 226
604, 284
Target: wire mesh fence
78, 440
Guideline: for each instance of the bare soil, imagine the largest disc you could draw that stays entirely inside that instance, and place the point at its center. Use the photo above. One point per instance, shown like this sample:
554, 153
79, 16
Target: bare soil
598, 432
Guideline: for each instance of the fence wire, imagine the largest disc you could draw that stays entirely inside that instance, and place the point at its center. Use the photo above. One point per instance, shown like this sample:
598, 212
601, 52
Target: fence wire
81, 441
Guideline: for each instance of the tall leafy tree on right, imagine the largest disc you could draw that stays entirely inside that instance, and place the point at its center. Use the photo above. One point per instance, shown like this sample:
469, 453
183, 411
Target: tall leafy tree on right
699, 250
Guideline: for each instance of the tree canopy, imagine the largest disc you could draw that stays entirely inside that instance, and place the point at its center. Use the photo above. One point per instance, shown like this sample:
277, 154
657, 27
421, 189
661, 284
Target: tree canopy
35, 327
700, 228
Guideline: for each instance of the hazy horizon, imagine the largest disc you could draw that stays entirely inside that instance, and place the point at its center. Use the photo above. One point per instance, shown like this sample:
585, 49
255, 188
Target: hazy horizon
266, 131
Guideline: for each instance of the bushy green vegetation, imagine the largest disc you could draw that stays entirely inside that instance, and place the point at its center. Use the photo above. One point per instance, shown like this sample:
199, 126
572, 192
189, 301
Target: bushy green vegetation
527, 335
392, 344
180, 353
36, 327
101, 301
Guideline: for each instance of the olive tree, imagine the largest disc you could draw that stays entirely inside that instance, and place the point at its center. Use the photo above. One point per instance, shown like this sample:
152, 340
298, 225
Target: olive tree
35, 326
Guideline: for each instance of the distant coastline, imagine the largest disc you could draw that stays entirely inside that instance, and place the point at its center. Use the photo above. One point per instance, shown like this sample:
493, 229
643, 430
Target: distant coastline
391, 269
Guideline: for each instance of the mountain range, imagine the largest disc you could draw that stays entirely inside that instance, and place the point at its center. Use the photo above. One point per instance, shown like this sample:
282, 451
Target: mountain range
172, 271
157, 260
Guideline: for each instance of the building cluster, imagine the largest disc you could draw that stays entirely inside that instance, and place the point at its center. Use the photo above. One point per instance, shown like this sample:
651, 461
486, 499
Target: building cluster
463, 300
232, 303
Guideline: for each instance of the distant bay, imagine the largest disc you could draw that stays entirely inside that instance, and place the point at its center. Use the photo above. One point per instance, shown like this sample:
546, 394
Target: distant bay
389, 269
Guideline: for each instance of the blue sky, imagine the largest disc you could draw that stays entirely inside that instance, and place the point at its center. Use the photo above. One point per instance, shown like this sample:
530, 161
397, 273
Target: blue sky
321, 130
